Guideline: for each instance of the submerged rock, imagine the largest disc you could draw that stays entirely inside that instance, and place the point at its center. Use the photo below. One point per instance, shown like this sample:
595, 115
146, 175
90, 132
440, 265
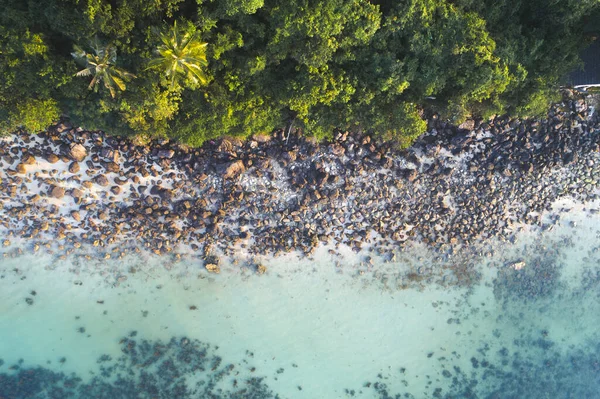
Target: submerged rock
261, 269
213, 268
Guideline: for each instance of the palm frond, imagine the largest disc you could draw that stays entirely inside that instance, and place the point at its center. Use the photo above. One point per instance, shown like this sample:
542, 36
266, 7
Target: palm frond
79, 54
181, 54
119, 82
84, 72
101, 65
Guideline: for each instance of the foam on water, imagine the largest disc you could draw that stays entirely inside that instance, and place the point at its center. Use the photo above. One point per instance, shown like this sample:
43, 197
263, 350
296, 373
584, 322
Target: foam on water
312, 328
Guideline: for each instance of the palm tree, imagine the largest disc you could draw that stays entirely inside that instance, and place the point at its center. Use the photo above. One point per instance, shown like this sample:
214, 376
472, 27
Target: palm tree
181, 55
101, 65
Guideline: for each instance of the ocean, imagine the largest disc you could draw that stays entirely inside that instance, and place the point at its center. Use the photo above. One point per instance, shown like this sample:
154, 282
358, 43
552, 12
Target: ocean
521, 323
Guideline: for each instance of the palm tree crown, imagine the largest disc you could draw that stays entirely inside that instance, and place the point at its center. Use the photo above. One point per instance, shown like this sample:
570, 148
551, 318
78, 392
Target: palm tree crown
101, 65
181, 54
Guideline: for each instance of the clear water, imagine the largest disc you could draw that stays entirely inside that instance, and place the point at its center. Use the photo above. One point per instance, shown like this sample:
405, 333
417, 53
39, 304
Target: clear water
78, 328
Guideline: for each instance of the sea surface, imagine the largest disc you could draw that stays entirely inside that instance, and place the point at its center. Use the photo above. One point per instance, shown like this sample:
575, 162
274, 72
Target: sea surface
523, 323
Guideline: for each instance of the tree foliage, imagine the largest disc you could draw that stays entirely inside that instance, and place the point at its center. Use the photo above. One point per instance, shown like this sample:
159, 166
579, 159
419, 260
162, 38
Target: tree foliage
101, 65
237, 67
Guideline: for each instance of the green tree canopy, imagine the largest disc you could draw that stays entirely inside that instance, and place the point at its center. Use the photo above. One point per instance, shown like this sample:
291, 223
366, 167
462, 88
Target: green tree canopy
319, 64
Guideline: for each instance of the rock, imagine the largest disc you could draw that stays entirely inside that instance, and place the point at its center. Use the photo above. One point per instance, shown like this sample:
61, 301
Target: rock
166, 153
116, 190
57, 192
112, 167
63, 126
52, 158
261, 269
469, 124
290, 155
101, 180
231, 169
77, 152
21, 168
213, 268
76, 215
28, 159
166, 194
120, 181
261, 138
337, 150
517, 265
76, 193
110, 154
411, 174
74, 167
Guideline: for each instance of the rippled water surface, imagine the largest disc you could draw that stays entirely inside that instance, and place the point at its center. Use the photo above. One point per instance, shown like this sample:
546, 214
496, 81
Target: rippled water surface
524, 326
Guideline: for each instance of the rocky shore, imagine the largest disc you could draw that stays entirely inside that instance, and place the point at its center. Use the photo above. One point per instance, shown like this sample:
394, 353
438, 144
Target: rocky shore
67, 187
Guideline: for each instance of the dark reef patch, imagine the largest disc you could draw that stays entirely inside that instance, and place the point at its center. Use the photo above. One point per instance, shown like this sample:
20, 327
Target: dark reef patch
539, 278
181, 368
534, 374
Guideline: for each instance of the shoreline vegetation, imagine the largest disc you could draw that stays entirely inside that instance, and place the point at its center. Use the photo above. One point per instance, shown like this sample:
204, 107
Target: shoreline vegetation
193, 71
67, 189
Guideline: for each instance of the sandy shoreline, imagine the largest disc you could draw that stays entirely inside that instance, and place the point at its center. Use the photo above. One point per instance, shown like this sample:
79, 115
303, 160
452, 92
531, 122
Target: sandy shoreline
67, 188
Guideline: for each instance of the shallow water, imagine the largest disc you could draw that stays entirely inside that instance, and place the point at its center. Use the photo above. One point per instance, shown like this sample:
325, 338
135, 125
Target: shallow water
309, 328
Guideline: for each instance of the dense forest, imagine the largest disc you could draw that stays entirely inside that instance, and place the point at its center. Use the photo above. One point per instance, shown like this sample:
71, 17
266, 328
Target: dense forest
198, 69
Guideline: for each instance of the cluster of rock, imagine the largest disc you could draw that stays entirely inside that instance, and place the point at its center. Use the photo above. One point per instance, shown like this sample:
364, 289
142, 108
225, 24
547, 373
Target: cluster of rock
285, 192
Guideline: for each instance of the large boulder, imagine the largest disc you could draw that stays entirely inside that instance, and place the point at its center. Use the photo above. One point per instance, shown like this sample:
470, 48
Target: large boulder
112, 167
110, 154
231, 169
101, 180
76, 215
469, 125
52, 158
57, 192
74, 167
337, 149
77, 152
28, 159
212, 268
166, 153
164, 193
76, 193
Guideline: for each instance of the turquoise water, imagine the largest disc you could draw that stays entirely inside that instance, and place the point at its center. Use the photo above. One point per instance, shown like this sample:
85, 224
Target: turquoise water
149, 327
